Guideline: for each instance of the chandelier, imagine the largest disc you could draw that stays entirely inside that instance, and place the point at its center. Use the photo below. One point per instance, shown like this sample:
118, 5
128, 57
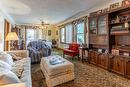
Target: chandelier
43, 25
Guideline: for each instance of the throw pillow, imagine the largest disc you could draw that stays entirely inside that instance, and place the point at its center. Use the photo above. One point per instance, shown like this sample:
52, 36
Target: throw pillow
7, 58
15, 57
5, 65
7, 77
18, 71
18, 67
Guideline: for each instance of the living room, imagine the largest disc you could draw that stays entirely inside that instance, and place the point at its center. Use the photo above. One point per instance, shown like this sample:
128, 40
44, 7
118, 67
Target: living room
64, 43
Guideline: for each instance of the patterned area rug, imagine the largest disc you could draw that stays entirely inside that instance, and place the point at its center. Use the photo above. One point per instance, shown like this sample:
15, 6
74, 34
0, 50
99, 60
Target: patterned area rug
86, 75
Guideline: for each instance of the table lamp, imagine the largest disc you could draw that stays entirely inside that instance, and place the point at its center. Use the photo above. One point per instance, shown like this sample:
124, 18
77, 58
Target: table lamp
11, 36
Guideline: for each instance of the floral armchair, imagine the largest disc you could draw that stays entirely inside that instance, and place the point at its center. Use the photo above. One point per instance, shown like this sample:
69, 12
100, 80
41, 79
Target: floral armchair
37, 50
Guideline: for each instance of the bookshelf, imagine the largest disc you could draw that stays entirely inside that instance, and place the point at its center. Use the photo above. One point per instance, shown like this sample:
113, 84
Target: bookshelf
109, 41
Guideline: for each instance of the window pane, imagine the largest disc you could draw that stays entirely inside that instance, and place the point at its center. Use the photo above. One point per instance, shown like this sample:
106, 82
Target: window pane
80, 33
30, 35
80, 38
69, 33
63, 35
80, 27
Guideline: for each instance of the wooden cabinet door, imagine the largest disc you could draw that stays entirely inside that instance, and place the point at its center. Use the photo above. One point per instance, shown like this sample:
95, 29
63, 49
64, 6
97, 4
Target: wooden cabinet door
103, 60
118, 64
93, 57
128, 68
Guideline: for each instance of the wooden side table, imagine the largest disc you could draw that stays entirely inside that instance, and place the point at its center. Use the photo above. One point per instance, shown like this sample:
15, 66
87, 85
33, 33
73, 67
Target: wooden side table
83, 53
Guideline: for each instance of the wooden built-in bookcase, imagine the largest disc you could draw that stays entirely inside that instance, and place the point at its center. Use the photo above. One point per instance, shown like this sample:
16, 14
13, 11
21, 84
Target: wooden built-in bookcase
109, 41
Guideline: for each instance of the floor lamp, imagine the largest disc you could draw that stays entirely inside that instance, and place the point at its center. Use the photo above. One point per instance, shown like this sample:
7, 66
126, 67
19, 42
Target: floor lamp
11, 36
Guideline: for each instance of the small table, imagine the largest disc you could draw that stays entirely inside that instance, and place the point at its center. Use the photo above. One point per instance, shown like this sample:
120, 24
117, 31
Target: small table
82, 53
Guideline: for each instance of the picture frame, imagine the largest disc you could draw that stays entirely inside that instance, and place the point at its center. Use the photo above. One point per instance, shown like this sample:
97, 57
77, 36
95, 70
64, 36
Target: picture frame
49, 32
114, 6
57, 32
125, 3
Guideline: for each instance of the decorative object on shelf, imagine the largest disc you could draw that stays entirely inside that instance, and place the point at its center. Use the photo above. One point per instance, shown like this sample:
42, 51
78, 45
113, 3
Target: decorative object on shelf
126, 25
106, 51
125, 3
117, 19
100, 50
12, 36
115, 6
126, 54
105, 10
115, 51
123, 18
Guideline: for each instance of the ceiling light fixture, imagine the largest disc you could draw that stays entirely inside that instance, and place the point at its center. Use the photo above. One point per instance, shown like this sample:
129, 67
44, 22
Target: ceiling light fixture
43, 25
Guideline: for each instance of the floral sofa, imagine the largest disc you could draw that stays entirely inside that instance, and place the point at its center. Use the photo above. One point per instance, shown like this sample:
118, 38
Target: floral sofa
15, 68
37, 50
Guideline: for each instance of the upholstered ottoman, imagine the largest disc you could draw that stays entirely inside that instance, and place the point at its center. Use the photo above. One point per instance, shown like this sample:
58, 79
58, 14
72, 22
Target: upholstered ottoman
58, 73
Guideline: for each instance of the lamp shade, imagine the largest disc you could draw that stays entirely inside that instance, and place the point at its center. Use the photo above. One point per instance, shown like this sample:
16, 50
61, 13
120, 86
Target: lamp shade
11, 36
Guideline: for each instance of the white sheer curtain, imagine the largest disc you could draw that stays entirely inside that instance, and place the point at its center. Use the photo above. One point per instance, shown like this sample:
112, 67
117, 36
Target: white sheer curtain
33, 34
62, 35
69, 33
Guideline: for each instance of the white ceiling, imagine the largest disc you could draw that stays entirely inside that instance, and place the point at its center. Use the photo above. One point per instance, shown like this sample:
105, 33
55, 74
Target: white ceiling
51, 11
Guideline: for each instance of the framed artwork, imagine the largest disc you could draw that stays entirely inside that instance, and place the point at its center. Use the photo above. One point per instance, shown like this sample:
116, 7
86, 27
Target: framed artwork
49, 32
57, 32
125, 3
114, 6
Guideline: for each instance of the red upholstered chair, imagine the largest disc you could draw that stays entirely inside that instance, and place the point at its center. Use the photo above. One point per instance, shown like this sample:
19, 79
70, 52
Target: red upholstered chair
73, 50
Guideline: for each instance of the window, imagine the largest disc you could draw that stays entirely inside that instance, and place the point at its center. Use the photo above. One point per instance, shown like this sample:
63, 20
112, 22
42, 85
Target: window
62, 34
31, 35
69, 33
80, 33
